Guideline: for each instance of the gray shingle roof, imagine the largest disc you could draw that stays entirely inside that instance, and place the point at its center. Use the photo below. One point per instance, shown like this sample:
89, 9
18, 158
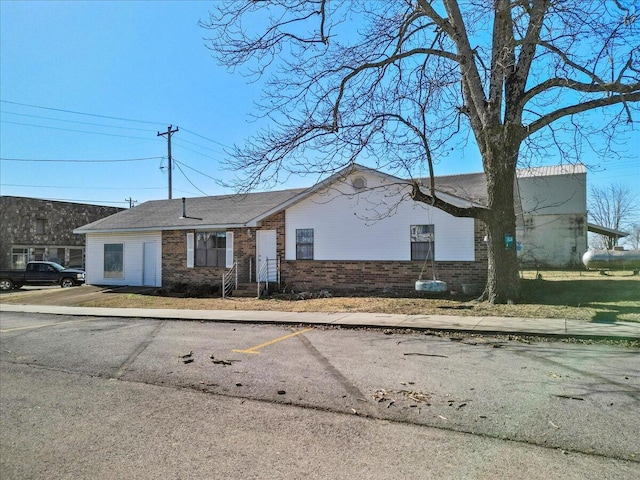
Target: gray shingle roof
219, 211
473, 186
469, 186
241, 210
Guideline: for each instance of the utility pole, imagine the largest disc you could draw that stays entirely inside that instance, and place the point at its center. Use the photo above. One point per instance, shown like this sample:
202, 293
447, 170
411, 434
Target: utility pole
131, 201
168, 133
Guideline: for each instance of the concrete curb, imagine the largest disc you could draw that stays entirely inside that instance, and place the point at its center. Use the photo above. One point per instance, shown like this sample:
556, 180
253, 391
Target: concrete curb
481, 325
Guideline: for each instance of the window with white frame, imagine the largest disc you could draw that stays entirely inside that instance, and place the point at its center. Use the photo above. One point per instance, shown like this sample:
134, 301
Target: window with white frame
19, 258
304, 243
422, 242
211, 248
113, 260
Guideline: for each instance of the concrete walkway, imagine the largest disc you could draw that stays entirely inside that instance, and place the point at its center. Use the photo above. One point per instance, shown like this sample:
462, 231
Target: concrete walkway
486, 325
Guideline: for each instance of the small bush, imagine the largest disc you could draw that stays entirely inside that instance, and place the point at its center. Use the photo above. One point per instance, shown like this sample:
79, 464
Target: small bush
189, 290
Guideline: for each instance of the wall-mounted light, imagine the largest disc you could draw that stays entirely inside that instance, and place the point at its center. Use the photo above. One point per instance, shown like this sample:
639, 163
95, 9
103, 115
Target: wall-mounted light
248, 233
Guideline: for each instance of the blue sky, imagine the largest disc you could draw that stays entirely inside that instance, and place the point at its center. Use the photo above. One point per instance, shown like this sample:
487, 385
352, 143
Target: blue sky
129, 69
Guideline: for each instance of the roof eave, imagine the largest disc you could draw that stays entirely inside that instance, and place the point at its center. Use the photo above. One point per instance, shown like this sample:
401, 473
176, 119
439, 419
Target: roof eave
609, 232
164, 228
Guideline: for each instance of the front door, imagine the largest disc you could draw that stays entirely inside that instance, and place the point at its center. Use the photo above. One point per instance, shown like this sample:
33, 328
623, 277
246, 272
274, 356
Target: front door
266, 253
149, 264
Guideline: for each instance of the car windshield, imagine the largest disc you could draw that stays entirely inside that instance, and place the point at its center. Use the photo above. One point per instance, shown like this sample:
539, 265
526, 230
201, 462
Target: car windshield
57, 266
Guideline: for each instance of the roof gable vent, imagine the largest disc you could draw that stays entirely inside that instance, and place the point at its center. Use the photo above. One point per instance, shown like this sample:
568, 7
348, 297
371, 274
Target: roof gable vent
359, 183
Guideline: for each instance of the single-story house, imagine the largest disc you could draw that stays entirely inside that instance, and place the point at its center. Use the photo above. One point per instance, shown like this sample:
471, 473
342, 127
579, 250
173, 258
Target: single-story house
358, 229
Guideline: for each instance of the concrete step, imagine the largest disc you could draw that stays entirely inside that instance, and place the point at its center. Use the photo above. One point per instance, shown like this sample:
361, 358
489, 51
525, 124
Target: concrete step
246, 290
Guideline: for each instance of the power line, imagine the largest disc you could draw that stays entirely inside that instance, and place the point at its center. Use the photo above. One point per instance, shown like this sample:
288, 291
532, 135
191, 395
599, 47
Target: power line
205, 138
81, 200
100, 116
75, 187
197, 171
179, 144
74, 121
77, 131
188, 179
198, 145
76, 161
80, 113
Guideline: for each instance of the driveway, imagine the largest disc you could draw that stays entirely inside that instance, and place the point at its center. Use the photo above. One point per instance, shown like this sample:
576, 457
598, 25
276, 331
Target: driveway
65, 297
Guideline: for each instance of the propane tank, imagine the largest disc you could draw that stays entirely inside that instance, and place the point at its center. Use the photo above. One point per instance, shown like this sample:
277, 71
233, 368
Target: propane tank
612, 260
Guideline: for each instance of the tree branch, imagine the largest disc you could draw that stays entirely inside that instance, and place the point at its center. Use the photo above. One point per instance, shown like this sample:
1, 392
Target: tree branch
461, 212
580, 108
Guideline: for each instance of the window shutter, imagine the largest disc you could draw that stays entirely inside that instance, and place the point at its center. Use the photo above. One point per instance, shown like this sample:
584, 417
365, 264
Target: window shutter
229, 249
190, 250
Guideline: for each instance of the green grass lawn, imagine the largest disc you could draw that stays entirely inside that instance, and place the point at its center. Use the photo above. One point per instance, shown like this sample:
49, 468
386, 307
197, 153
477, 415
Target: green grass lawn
611, 297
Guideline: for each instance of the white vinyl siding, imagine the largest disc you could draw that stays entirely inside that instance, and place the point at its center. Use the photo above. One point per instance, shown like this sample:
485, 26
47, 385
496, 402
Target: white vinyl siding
374, 224
133, 258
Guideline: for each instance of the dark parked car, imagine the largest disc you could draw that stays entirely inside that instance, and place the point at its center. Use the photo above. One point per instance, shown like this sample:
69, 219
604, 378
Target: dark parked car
41, 273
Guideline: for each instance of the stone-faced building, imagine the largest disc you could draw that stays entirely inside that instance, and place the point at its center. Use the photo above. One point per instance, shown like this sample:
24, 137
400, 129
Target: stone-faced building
35, 229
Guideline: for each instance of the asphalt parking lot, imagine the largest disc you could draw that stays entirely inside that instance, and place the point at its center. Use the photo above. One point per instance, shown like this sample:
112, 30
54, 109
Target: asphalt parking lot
574, 397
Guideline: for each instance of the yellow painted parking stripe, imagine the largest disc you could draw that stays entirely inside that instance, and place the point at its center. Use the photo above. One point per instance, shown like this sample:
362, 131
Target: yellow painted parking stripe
15, 329
254, 350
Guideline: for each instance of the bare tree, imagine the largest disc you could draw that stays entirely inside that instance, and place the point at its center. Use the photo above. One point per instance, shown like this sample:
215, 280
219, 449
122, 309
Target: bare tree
403, 85
633, 240
614, 206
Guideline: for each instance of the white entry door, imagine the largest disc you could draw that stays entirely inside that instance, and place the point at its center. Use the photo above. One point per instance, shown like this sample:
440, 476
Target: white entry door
266, 251
149, 264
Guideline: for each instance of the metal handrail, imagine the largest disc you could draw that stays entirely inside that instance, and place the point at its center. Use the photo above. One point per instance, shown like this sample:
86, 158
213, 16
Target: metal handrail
268, 270
263, 275
230, 279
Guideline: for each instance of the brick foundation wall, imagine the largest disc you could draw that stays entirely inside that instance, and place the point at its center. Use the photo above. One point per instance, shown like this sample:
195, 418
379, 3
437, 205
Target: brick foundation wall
341, 275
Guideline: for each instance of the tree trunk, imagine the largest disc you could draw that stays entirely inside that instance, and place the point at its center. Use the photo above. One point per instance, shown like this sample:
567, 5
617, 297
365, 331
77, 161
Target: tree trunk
503, 281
